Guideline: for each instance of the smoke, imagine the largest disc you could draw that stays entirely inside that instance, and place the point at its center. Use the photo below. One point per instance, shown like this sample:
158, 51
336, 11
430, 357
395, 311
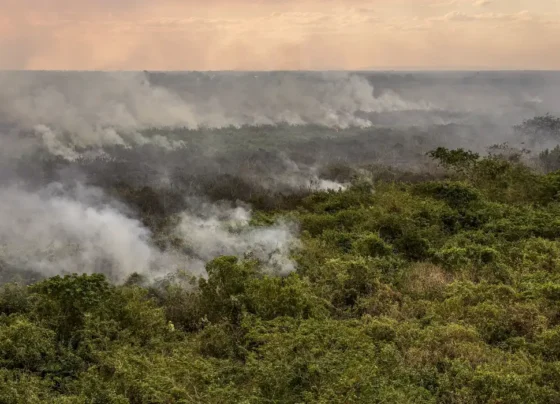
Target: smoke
212, 230
76, 111
294, 176
70, 113
52, 232
57, 230
208, 137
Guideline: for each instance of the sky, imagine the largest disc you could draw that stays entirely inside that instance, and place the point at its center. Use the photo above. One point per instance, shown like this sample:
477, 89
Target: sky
279, 34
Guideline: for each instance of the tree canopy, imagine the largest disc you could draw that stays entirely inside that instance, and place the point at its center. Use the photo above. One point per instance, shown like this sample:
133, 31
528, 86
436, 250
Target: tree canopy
440, 290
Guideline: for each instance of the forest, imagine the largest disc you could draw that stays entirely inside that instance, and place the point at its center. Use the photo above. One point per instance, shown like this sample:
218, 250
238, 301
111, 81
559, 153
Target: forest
440, 286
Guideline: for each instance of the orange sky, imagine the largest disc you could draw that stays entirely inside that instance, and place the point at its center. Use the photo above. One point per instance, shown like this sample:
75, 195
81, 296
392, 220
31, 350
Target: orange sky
279, 34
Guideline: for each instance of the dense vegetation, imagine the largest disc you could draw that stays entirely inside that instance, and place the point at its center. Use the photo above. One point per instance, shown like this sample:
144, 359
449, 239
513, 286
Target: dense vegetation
408, 289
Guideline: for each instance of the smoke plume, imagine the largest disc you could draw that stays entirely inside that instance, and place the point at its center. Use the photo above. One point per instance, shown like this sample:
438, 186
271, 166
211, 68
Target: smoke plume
94, 110
212, 230
55, 231
191, 146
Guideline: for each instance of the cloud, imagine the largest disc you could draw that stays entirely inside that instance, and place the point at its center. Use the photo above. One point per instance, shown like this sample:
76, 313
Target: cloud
449, 3
522, 16
233, 35
482, 3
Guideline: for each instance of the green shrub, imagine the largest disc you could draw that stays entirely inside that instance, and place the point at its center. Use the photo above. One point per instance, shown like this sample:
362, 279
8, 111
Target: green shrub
420, 292
456, 194
372, 245
25, 346
14, 298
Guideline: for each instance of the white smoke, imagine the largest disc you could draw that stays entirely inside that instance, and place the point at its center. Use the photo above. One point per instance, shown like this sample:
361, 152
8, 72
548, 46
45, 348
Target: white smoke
213, 230
77, 115
56, 231
293, 176
297, 177
53, 233
94, 110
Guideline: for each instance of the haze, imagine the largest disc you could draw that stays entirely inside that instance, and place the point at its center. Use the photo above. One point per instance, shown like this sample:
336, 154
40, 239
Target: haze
279, 35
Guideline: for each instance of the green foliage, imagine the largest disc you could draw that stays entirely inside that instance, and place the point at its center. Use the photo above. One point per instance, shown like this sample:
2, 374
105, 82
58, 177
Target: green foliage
222, 294
64, 302
550, 159
272, 297
540, 127
550, 191
18, 387
439, 291
14, 299
500, 176
459, 160
24, 345
457, 195
372, 245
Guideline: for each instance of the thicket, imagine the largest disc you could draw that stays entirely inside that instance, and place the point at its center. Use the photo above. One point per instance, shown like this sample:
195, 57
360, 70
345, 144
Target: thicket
407, 290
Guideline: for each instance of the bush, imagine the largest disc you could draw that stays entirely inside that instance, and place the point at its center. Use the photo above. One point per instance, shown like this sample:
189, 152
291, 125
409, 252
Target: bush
14, 299
456, 194
270, 297
371, 245
434, 292
25, 346
64, 302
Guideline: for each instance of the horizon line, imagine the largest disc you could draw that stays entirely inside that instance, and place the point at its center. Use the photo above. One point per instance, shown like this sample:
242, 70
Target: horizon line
361, 70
